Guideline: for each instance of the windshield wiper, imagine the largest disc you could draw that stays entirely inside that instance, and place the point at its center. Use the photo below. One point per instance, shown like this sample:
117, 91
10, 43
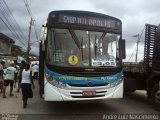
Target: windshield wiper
95, 44
103, 35
95, 47
75, 38
82, 48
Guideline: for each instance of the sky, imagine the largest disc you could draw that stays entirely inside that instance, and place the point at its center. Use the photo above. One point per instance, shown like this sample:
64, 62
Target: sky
133, 13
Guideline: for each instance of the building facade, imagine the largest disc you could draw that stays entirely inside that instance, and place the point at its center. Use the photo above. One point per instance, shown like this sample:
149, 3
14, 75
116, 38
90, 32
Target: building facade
5, 44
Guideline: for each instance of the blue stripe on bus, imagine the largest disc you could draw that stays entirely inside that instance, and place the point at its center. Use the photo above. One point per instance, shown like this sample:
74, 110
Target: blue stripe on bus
84, 80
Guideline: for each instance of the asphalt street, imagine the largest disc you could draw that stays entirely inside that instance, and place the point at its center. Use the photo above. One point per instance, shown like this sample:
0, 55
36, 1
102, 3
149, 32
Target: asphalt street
37, 109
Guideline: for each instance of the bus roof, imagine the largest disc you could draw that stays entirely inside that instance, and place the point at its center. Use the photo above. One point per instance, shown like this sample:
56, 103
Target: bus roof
82, 13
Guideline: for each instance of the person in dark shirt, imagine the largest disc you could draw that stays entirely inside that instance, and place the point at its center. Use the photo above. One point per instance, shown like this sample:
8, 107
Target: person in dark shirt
22, 66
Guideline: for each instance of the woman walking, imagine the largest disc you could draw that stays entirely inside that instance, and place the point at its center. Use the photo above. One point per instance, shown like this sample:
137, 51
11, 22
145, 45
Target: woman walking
26, 84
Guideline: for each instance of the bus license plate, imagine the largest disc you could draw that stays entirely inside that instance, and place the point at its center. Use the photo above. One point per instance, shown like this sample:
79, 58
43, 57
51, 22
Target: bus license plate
89, 93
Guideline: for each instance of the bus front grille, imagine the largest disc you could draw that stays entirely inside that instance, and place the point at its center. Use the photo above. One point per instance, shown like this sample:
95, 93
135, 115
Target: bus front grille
86, 85
80, 94
87, 96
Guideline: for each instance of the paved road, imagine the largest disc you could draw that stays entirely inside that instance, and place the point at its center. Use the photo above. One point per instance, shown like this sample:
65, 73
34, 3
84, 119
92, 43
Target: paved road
135, 103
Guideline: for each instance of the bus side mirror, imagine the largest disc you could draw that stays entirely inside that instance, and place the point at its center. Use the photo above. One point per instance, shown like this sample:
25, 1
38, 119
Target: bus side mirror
43, 36
123, 47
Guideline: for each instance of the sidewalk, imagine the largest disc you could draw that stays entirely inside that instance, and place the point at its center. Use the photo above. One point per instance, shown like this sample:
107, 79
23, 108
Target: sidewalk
14, 104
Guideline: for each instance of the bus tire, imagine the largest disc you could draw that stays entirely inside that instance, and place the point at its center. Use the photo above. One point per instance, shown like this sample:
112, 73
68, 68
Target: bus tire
130, 85
155, 94
129, 90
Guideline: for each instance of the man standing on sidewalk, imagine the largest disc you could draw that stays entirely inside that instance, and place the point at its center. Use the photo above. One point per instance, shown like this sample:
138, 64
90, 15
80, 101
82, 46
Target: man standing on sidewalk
35, 70
9, 79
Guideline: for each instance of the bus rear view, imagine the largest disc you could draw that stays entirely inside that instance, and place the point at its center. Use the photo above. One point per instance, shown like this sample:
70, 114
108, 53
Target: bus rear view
81, 57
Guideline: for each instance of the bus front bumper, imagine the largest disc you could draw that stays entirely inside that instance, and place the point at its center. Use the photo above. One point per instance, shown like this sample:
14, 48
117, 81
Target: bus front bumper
53, 93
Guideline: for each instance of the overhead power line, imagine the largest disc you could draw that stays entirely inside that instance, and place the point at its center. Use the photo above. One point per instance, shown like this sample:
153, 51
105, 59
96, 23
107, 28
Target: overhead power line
136, 48
16, 24
31, 17
9, 21
28, 8
35, 30
8, 27
32, 23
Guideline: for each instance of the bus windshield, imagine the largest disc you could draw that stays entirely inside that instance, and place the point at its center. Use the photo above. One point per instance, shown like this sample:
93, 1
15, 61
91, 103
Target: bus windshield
82, 48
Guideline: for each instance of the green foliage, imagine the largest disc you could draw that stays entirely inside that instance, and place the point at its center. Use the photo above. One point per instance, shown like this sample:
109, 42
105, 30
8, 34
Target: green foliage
17, 51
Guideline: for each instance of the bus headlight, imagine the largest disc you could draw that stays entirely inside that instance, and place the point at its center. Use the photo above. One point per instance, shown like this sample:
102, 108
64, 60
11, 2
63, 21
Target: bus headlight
55, 83
62, 85
116, 82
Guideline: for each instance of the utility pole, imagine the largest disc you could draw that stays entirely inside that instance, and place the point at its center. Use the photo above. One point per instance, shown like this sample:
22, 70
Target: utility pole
137, 48
29, 37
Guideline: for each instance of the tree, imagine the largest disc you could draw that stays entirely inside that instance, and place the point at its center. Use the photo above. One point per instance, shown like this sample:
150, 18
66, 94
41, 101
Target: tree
17, 51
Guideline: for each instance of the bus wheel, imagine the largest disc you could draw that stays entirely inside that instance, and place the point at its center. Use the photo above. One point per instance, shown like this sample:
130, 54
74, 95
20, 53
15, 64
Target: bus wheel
155, 93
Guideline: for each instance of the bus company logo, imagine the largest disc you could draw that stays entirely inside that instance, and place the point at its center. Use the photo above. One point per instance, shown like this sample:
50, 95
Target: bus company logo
111, 78
90, 84
103, 78
71, 78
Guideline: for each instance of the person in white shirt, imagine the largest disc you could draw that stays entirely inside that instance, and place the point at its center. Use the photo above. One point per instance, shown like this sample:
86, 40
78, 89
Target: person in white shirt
26, 84
35, 70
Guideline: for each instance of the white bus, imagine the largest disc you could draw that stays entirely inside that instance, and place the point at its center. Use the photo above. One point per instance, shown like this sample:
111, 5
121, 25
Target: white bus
81, 56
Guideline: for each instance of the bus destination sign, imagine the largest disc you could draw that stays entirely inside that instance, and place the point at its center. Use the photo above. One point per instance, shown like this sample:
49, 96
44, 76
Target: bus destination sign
90, 21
